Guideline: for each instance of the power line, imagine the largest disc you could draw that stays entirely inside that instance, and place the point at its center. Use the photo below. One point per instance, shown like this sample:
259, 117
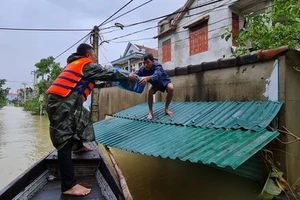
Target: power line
183, 31
127, 12
149, 28
115, 13
104, 56
71, 29
42, 29
88, 29
168, 15
203, 12
8, 81
132, 40
91, 30
72, 45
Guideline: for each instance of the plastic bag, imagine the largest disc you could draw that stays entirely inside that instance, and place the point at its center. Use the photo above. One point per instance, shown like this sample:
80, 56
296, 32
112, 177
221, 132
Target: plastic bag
128, 85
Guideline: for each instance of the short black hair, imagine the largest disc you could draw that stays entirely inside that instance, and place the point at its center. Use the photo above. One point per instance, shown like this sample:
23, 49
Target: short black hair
148, 56
83, 48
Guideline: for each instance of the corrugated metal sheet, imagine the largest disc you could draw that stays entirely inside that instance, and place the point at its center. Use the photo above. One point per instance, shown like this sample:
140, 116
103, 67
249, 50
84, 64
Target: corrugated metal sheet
251, 115
223, 147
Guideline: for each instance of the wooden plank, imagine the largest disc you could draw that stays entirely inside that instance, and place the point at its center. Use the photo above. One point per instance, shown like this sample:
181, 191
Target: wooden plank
55, 193
91, 155
110, 177
52, 190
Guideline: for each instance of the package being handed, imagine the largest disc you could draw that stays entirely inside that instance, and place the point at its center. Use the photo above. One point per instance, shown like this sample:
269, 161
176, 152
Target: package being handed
128, 85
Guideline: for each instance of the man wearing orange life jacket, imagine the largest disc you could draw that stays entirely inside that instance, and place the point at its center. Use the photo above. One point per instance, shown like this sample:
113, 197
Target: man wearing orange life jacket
70, 123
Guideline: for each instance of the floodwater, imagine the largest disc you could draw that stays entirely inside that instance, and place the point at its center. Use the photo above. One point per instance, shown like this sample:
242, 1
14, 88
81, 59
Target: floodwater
24, 139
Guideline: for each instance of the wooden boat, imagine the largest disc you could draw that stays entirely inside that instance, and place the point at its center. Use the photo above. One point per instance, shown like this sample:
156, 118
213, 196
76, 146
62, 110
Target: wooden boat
42, 182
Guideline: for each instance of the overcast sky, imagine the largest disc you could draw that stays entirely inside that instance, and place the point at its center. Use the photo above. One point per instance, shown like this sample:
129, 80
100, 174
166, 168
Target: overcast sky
20, 50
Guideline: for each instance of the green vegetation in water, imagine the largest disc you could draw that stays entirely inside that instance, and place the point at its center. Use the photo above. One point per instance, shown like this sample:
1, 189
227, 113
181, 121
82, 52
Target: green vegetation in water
33, 105
3, 93
48, 70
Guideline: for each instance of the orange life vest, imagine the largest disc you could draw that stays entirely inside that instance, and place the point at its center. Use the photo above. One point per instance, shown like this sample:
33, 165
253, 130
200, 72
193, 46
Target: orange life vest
72, 77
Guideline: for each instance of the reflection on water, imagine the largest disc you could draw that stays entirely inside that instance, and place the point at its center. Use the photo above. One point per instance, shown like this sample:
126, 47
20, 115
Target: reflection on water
24, 139
151, 178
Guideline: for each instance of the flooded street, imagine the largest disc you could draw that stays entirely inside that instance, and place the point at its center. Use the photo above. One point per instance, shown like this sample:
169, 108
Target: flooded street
24, 139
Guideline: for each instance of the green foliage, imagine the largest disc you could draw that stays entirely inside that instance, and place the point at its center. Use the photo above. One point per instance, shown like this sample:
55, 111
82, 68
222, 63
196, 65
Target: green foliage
47, 70
33, 105
14, 101
279, 26
3, 93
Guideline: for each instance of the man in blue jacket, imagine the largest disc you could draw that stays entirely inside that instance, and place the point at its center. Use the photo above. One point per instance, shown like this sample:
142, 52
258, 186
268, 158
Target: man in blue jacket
154, 73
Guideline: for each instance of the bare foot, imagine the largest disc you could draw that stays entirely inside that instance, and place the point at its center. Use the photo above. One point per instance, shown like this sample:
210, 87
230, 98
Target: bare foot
83, 149
150, 116
78, 190
168, 112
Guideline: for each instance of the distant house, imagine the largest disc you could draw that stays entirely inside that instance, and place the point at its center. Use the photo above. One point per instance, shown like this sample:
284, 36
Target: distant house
194, 35
24, 96
11, 96
132, 57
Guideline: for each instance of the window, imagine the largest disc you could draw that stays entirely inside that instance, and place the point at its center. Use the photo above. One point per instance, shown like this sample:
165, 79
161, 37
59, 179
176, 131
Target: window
235, 27
166, 51
199, 38
140, 64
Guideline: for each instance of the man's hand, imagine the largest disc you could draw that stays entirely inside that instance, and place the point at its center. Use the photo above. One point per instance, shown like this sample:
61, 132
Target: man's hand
132, 77
144, 80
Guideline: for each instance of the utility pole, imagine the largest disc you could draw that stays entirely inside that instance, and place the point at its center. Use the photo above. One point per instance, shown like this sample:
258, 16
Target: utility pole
24, 91
96, 92
95, 35
34, 77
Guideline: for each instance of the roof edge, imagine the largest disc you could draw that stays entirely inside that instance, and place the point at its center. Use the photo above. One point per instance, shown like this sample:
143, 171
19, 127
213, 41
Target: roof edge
172, 28
253, 57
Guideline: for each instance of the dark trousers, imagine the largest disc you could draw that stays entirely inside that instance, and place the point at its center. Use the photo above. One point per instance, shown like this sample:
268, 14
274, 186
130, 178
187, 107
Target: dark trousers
66, 166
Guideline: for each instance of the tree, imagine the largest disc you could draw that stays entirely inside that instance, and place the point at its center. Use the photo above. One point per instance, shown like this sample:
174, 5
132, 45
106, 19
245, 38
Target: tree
278, 26
3, 93
48, 70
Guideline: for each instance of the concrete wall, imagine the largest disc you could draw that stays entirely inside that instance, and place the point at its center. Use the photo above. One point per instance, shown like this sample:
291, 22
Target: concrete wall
291, 82
243, 83
112, 100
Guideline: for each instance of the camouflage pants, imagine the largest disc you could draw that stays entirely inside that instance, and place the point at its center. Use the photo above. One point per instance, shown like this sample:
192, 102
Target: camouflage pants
68, 120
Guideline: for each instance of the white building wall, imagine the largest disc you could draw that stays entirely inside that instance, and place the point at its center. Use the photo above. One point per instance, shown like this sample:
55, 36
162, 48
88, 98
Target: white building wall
131, 48
220, 17
134, 64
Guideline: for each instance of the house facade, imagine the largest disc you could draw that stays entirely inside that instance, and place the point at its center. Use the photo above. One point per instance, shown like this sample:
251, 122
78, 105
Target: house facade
132, 58
193, 33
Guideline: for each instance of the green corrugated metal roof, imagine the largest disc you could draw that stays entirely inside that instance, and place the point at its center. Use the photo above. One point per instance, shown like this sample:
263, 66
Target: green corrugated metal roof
222, 133
207, 145
250, 115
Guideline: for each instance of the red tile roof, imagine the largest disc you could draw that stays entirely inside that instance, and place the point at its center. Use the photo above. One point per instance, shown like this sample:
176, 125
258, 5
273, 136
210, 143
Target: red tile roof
154, 52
